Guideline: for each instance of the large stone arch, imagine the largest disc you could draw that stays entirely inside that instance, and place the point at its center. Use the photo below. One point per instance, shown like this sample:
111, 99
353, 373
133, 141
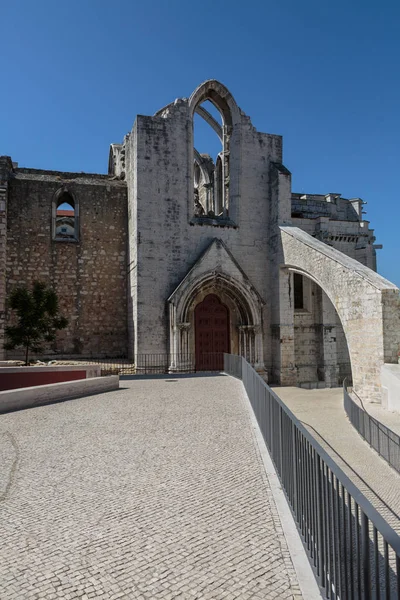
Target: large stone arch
220, 96
367, 304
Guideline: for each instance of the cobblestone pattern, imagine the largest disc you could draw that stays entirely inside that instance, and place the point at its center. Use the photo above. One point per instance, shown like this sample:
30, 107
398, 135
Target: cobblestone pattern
154, 491
389, 418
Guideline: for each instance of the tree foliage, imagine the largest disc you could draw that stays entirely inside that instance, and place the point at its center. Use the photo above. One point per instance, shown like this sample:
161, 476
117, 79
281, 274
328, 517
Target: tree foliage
37, 318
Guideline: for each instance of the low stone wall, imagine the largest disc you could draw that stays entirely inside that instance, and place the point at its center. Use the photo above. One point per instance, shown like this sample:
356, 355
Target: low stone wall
46, 394
12, 378
390, 377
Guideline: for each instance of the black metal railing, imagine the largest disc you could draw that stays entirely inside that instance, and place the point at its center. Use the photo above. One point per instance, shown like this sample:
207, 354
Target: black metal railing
142, 364
353, 550
382, 439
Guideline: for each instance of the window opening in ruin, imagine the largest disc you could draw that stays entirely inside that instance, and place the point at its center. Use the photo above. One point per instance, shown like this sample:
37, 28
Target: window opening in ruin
298, 291
211, 162
65, 218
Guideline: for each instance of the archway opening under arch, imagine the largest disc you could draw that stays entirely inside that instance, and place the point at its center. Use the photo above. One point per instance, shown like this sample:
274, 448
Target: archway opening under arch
321, 353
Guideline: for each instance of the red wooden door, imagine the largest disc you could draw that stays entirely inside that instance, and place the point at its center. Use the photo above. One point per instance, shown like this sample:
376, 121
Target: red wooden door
211, 333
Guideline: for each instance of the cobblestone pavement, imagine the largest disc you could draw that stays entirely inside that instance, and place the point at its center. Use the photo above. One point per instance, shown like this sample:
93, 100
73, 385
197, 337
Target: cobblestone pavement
323, 413
386, 417
153, 491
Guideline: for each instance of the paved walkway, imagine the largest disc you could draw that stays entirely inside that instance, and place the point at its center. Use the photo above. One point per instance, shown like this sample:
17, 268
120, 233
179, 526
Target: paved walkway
323, 414
386, 417
154, 491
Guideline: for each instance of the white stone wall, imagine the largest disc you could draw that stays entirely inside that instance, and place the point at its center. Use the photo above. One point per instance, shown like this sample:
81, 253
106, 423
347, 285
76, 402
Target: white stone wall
163, 241
166, 242
368, 305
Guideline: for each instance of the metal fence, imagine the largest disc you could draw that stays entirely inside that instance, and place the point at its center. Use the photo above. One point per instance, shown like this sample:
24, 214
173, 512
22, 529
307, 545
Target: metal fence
379, 437
354, 552
142, 364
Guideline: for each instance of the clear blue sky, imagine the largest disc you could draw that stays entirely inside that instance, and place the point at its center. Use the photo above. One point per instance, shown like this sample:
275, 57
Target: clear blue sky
324, 74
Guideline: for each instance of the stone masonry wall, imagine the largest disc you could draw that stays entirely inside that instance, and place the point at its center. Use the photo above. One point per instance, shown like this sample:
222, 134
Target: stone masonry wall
5, 172
307, 337
161, 205
89, 276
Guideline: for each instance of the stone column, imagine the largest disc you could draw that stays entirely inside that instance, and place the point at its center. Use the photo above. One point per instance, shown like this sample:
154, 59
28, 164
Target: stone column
250, 345
181, 358
329, 348
241, 340
258, 350
209, 199
184, 347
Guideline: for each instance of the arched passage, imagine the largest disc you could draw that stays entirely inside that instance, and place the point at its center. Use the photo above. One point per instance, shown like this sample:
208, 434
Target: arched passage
321, 356
367, 304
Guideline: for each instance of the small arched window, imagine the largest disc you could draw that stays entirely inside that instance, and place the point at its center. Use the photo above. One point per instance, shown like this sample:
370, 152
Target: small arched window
65, 217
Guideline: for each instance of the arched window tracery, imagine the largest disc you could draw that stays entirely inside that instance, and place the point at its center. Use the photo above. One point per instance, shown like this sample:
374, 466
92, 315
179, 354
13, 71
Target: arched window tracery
211, 167
215, 115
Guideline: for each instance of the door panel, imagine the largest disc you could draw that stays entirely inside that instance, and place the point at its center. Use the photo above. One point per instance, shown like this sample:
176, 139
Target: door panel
211, 333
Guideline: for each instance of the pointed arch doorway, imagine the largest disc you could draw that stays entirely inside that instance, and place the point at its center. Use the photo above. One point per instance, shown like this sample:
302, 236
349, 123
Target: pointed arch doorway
212, 323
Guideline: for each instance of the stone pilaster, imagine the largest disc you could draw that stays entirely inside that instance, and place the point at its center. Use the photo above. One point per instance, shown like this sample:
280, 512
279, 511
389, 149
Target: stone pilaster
181, 358
283, 332
6, 169
329, 347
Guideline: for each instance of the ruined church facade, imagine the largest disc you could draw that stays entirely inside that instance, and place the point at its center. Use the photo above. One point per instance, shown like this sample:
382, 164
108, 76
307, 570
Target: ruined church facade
179, 254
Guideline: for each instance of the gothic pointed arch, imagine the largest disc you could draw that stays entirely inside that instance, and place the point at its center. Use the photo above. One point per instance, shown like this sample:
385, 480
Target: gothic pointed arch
222, 193
220, 96
217, 273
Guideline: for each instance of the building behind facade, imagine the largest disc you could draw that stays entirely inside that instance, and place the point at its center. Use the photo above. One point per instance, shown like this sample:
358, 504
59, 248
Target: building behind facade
176, 253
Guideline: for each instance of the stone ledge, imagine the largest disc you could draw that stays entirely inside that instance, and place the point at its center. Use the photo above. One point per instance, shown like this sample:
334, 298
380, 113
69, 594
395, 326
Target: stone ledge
21, 398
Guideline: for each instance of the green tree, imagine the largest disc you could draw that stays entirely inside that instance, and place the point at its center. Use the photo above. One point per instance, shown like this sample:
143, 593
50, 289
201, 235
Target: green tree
38, 318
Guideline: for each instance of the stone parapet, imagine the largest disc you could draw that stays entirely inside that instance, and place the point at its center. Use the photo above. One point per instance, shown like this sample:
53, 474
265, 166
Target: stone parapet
46, 394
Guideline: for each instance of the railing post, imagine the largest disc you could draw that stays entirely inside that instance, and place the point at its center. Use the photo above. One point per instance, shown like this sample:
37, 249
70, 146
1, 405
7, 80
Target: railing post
280, 441
366, 572
294, 454
370, 433
333, 520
